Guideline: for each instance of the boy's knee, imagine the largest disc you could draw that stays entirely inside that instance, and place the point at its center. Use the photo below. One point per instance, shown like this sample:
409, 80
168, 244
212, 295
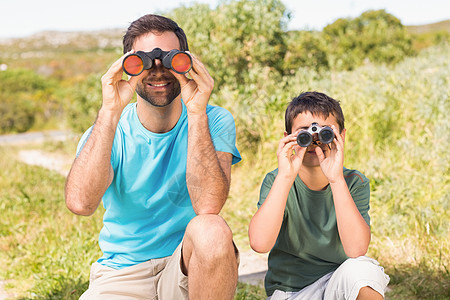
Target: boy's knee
355, 273
359, 268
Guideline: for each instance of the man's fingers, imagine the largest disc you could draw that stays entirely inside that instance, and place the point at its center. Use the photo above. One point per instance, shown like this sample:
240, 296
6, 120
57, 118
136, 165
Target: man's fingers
200, 74
180, 77
115, 72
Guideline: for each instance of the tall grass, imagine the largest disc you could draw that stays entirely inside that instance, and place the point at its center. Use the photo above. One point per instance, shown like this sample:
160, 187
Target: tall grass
397, 134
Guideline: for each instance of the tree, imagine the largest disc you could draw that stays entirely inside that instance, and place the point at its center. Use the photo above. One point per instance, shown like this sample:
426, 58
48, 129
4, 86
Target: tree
375, 36
305, 49
236, 36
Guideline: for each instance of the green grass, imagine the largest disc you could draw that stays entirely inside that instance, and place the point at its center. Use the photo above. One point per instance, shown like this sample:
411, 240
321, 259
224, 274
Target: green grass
46, 250
398, 136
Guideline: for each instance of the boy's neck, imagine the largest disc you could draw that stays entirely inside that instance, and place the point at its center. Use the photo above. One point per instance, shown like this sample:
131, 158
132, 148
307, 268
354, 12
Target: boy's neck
313, 178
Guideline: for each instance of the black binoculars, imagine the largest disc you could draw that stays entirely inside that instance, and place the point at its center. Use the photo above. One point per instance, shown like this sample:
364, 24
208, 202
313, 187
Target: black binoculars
135, 63
305, 137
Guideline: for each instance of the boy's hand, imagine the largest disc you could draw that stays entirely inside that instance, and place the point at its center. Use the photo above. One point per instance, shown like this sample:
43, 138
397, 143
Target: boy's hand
332, 163
289, 163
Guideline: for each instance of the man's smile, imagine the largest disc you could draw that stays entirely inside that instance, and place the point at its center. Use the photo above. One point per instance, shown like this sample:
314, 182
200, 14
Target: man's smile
159, 84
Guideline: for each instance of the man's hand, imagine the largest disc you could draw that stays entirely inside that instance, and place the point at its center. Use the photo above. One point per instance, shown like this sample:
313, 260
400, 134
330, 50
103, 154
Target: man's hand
195, 92
117, 93
332, 162
289, 163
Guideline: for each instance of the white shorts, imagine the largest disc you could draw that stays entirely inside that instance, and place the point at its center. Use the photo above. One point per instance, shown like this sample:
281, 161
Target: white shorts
344, 283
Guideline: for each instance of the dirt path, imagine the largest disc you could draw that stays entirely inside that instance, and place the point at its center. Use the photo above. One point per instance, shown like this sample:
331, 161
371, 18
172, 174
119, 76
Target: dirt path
34, 137
56, 162
3, 294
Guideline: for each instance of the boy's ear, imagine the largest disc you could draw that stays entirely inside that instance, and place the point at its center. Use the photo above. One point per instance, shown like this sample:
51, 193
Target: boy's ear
285, 134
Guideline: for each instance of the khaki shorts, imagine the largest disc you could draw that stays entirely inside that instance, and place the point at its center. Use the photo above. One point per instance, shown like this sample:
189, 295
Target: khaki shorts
160, 278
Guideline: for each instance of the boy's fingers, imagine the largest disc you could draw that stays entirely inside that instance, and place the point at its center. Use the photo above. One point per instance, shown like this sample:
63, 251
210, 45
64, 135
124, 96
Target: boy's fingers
320, 154
337, 135
285, 140
299, 151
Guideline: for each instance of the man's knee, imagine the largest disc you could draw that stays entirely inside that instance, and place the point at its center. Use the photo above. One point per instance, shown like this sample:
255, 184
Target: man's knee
210, 234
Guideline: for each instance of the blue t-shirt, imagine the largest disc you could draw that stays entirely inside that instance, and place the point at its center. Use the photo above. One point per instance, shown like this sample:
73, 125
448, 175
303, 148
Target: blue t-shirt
147, 204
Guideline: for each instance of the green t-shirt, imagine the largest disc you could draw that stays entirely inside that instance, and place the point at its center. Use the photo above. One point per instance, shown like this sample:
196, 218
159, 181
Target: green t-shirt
308, 245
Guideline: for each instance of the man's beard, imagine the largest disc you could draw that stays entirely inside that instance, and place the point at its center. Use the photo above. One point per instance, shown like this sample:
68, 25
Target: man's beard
159, 101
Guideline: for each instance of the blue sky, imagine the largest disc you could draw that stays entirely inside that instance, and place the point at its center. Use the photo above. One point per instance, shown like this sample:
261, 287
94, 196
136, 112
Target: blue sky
22, 18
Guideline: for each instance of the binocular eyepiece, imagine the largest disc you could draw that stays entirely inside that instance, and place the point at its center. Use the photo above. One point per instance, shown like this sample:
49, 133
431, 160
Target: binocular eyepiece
305, 137
135, 63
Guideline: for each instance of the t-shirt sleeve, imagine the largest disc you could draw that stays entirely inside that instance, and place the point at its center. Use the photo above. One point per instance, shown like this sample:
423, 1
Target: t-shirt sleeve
84, 138
223, 132
360, 191
265, 188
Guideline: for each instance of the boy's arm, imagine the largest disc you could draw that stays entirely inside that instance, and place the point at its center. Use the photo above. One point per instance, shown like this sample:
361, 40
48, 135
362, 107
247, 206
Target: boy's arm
266, 223
353, 229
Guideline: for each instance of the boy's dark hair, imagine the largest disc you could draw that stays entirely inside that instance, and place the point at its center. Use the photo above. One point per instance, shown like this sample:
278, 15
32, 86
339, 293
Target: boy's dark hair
152, 23
318, 104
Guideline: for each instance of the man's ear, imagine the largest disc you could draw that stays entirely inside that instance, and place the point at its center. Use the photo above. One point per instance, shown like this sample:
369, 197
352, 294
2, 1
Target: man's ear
343, 134
285, 134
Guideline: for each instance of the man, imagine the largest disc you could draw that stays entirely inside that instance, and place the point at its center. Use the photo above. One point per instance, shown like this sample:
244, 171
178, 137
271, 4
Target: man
162, 166
313, 213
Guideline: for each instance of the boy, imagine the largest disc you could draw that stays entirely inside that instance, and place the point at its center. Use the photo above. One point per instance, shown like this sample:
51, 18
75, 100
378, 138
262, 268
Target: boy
313, 214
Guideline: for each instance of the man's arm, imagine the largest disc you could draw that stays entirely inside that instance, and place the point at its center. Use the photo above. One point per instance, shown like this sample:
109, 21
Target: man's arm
92, 173
208, 172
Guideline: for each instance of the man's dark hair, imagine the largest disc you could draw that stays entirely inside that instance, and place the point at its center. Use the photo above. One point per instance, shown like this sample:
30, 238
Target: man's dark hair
318, 104
153, 23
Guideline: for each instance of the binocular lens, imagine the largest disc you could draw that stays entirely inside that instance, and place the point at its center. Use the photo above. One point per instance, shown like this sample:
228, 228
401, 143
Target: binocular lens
133, 65
326, 136
181, 63
304, 139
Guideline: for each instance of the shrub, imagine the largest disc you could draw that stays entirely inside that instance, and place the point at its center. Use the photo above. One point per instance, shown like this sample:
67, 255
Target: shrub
26, 98
86, 100
375, 36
